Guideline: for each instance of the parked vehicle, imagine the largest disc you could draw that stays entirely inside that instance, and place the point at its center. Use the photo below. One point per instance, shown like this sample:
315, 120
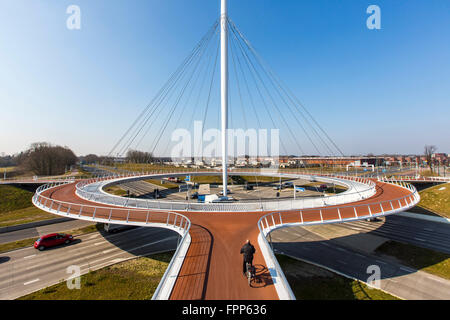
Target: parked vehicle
172, 179
223, 199
52, 240
207, 198
194, 195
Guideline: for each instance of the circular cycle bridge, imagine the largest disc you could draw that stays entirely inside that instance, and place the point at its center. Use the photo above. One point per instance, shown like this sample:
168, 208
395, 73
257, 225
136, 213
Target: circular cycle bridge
207, 263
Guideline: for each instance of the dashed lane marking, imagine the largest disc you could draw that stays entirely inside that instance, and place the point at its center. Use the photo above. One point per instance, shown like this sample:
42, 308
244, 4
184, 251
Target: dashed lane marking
30, 282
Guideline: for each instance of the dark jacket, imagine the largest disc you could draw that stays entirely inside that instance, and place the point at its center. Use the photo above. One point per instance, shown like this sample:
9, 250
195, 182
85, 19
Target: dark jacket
248, 250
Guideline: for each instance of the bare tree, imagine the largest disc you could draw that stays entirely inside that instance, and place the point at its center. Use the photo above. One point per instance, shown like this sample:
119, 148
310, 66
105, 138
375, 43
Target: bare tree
90, 159
135, 156
428, 151
44, 159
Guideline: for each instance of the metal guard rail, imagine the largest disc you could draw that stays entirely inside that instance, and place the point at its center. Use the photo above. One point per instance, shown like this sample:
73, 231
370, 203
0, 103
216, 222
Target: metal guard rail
415, 178
409, 201
244, 206
182, 227
265, 230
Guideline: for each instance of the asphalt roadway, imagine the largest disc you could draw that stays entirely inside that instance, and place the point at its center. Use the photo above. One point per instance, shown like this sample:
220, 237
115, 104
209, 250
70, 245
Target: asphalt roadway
262, 192
422, 233
36, 232
335, 255
27, 270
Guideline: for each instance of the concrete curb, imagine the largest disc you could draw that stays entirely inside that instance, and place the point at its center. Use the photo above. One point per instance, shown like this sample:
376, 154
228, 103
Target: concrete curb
33, 224
423, 217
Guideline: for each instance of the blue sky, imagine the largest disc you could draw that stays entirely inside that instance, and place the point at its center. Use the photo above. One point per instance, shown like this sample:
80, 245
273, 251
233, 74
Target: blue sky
379, 91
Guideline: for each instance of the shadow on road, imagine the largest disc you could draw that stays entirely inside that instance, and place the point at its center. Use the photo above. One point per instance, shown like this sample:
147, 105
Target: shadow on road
4, 259
262, 277
394, 258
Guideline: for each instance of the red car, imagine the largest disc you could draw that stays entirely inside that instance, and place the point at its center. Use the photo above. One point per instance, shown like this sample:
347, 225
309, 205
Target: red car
53, 239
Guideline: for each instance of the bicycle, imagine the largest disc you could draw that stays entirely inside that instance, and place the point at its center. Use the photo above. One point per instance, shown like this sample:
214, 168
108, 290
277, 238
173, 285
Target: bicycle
250, 273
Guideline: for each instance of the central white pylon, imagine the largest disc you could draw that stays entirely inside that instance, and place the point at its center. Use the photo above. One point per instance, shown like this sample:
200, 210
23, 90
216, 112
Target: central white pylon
224, 90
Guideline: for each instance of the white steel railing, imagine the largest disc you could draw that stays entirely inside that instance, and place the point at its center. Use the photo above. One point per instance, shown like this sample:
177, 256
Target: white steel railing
415, 178
274, 220
125, 216
108, 214
41, 179
282, 286
359, 188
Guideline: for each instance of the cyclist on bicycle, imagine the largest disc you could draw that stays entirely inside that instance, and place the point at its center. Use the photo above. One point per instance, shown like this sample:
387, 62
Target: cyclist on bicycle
247, 250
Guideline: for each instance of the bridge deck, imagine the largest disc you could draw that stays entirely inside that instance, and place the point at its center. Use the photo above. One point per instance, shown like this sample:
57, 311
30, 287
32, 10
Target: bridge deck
212, 268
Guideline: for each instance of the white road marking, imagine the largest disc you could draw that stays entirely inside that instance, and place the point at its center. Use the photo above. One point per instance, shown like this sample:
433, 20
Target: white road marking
122, 252
118, 260
109, 250
93, 236
359, 255
30, 282
407, 269
420, 239
340, 249
340, 261
28, 257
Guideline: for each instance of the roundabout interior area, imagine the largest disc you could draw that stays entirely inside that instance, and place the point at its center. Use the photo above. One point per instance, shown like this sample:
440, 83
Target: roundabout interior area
253, 191
241, 188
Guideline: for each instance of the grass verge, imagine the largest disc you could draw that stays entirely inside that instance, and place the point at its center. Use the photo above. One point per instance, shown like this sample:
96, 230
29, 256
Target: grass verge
26, 215
436, 199
260, 179
16, 207
115, 190
423, 259
14, 198
309, 282
209, 179
7, 169
135, 279
165, 184
428, 173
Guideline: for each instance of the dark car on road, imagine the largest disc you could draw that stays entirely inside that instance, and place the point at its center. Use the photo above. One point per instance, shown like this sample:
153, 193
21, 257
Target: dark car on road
52, 240
194, 195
